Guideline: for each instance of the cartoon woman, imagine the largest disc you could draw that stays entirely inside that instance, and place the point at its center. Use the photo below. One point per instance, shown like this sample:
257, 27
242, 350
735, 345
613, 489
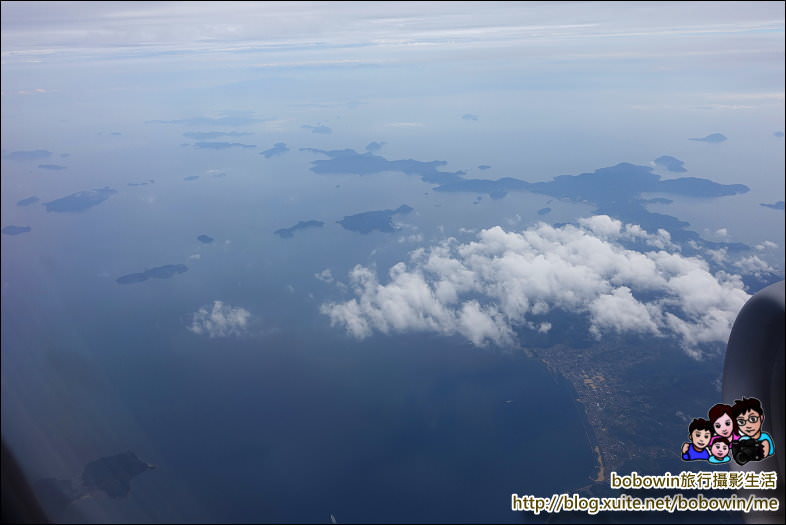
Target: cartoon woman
723, 423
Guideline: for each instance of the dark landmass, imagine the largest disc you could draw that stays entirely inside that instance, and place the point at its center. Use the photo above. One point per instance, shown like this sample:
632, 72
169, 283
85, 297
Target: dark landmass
55, 495
371, 147
15, 230
778, 134
145, 183
671, 163
469, 116
288, 233
206, 239
774, 206
159, 272
615, 190
656, 200
53, 167
219, 175
208, 121
630, 398
350, 161
279, 148
484, 167
544, 211
28, 201
221, 145
113, 474
80, 201
207, 135
380, 220
65, 155
35, 154
191, 177
714, 138
323, 130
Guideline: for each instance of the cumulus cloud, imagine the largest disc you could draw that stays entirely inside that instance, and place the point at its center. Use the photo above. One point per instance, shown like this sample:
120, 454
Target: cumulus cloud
220, 320
486, 288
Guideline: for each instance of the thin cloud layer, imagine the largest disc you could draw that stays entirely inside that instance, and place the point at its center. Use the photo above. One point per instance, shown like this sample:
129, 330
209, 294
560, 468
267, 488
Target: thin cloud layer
220, 320
503, 281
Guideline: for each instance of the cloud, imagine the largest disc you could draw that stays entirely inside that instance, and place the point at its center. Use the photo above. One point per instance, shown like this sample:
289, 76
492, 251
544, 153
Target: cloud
35, 154
504, 283
326, 276
322, 130
220, 320
279, 148
240, 119
405, 124
221, 145
207, 135
373, 146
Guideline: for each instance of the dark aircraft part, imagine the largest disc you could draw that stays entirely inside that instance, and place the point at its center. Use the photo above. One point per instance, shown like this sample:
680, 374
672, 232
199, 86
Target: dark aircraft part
754, 367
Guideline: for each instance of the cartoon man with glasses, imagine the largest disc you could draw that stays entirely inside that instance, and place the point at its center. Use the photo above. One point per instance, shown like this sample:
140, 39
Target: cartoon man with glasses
750, 416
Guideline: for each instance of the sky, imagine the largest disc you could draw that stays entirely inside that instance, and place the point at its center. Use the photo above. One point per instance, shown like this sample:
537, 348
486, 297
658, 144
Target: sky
130, 130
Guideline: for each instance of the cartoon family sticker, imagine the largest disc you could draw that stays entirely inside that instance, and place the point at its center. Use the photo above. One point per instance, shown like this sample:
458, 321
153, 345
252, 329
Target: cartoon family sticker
731, 432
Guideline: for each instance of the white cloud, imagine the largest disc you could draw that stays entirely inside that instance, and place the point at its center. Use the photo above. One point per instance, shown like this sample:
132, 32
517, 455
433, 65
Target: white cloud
766, 245
222, 320
326, 276
485, 288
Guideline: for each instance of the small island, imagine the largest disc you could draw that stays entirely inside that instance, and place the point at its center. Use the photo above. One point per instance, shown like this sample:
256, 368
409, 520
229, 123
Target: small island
288, 233
205, 239
712, 138
15, 230
671, 163
28, 201
159, 272
80, 200
379, 220
774, 206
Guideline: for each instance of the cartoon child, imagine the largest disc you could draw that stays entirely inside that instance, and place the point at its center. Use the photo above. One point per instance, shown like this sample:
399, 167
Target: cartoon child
749, 416
700, 432
719, 450
723, 422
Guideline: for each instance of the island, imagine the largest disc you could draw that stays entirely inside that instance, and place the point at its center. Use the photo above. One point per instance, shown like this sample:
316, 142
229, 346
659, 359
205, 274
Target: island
288, 233
110, 475
159, 272
713, 138
53, 167
15, 230
79, 201
671, 163
191, 177
379, 220
279, 148
205, 239
544, 211
28, 201
774, 206
113, 474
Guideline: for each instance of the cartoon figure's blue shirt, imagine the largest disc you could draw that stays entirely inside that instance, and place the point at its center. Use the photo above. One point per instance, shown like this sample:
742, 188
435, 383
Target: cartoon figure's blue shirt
693, 454
724, 459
